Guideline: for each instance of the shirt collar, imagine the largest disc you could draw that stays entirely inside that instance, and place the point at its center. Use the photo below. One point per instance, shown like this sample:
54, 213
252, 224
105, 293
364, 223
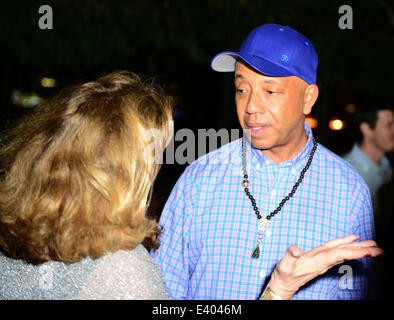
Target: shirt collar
366, 163
259, 160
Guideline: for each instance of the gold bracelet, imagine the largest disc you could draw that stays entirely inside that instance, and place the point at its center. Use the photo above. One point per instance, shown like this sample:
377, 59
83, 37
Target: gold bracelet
268, 294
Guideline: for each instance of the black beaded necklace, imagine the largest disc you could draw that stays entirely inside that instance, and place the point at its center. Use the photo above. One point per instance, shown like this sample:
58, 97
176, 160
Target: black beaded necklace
262, 222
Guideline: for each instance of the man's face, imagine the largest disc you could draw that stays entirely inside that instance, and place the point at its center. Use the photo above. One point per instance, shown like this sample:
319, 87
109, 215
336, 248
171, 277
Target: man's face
273, 108
383, 133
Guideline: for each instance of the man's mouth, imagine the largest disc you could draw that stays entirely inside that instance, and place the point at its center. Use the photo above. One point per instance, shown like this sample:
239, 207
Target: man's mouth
257, 128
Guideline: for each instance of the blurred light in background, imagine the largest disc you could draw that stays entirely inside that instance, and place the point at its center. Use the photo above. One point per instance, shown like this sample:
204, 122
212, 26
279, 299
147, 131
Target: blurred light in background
350, 108
312, 121
336, 124
48, 82
25, 100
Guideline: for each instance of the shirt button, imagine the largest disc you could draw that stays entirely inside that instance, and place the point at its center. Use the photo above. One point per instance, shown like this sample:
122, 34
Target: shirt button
293, 171
262, 274
273, 193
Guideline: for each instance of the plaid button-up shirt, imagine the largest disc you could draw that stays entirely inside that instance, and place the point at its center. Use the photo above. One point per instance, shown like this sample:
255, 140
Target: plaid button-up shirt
211, 228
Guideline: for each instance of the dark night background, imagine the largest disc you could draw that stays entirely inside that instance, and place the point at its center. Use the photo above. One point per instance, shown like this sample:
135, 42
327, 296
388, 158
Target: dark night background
175, 40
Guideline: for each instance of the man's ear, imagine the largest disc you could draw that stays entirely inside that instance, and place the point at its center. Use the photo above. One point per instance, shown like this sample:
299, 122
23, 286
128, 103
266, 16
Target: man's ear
310, 96
365, 129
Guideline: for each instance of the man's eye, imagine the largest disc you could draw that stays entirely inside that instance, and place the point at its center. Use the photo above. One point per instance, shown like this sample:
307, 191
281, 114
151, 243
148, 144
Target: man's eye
239, 90
271, 92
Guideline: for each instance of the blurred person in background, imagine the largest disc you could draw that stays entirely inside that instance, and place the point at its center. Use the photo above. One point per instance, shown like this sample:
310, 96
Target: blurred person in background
367, 156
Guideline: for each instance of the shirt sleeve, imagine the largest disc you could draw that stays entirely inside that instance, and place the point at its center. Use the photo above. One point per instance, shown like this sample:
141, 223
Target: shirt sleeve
358, 278
173, 254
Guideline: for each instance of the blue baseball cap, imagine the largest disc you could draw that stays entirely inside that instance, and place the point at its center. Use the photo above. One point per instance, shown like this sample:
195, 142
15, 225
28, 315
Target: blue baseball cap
273, 50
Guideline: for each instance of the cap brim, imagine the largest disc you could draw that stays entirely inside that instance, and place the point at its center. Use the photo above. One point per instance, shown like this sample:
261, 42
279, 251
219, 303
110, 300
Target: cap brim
226, 61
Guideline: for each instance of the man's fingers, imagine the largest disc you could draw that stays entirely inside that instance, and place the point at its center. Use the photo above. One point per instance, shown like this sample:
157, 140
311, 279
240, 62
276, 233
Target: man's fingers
340, 241
295, 251
339, 255
366, 243
292, 254
358, 253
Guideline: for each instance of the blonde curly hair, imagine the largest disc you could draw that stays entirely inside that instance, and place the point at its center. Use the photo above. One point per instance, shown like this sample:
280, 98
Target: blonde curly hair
75, 178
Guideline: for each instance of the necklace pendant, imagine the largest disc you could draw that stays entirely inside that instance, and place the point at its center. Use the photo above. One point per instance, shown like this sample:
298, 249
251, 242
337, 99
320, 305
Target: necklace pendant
256, 252
261, 227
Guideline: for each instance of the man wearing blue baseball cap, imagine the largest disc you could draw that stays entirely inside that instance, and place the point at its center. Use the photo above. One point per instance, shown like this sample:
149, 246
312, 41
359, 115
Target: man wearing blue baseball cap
274, 193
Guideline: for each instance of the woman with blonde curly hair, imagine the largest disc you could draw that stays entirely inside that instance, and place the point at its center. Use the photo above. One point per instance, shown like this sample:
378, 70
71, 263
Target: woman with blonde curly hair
76, 182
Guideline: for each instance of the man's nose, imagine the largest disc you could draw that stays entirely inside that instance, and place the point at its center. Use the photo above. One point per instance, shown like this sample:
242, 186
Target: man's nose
255, 104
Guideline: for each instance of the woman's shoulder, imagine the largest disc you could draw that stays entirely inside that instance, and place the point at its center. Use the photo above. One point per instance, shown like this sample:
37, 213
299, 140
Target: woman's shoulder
49, 280
125, 274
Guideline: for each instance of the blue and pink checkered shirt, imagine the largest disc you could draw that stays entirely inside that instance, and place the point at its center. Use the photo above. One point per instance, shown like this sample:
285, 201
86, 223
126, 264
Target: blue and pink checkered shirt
211, 229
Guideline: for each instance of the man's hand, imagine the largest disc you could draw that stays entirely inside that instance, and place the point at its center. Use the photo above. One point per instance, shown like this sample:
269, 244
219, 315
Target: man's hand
296, 268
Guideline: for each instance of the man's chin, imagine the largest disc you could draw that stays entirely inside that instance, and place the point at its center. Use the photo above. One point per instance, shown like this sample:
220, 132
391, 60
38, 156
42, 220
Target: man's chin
261, 145
262, 141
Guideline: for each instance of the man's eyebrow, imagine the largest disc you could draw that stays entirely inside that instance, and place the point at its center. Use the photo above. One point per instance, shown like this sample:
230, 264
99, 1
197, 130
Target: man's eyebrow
269, 81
